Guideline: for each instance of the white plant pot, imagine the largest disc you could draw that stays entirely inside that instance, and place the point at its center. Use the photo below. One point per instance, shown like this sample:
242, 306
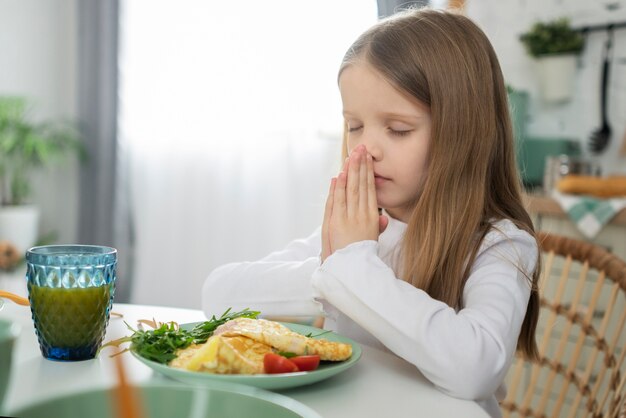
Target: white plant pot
19, 225
556, 77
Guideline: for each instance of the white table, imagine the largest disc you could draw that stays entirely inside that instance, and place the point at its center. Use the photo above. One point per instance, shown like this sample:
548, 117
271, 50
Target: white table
379, 385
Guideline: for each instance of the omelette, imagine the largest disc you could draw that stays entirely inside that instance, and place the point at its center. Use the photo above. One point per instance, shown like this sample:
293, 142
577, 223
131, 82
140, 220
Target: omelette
283, 339
223, 355
239, 346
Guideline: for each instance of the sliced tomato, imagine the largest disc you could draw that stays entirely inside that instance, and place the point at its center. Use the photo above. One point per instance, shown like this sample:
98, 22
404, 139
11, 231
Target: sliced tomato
306, 363
275, 363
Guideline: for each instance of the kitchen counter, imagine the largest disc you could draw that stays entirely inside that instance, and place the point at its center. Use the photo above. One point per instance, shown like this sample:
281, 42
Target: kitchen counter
547, 215
542, 205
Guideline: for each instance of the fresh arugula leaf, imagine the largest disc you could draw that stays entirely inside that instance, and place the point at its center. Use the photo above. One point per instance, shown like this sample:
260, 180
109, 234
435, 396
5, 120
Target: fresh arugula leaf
310, 334
287, 354
160, 344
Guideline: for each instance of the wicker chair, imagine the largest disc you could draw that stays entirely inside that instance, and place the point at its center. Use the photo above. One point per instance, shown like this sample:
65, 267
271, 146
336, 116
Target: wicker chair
581, 370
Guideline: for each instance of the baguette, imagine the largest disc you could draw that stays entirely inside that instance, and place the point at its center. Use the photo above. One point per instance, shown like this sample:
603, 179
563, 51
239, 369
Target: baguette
605, 187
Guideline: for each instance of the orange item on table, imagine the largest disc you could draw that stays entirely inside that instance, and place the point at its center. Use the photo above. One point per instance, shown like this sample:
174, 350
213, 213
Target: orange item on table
613, 186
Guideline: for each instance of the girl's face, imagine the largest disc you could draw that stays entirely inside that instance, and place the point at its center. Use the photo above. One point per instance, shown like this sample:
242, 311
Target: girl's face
394, 128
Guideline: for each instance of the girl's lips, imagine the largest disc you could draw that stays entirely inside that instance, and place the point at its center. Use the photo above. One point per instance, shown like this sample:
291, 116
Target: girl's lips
380, 180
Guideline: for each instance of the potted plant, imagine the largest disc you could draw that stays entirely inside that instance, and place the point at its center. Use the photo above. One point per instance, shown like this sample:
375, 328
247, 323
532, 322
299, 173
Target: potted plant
25, 146
555, 45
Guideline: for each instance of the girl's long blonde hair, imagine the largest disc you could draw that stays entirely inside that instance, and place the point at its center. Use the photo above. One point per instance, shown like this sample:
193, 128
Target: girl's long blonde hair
446, 62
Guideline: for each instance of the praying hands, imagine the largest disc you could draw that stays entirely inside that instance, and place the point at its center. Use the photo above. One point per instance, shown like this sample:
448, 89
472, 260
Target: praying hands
351, 212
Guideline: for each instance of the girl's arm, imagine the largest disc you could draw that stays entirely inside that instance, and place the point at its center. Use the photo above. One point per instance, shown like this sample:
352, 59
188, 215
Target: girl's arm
465, 353
277, 285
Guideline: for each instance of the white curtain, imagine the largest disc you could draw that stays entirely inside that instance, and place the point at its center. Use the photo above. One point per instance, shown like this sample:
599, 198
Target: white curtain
229, 130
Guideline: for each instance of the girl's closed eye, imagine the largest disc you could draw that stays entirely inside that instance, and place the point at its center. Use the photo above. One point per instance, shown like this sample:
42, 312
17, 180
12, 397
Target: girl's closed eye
354, 127
400, 132
400, 129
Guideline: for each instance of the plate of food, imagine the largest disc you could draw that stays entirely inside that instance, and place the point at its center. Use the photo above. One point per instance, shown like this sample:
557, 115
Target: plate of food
240, 348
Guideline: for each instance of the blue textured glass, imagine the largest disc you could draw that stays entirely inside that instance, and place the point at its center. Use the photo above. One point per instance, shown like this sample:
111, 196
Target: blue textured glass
70, 288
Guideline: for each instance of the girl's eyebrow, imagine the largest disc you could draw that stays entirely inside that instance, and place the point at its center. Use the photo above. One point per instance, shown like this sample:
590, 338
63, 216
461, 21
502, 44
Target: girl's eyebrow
391, 115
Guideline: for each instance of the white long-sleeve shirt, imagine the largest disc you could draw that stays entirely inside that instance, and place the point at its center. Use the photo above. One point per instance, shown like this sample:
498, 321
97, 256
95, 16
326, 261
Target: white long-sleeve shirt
465, 352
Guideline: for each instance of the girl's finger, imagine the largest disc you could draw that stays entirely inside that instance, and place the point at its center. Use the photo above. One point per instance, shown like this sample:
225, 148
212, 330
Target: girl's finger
372, 202
363, 187
339, 195
352, 189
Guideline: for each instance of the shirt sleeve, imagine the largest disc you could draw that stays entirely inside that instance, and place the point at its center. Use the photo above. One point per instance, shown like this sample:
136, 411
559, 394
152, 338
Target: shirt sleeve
277, 285
466, 353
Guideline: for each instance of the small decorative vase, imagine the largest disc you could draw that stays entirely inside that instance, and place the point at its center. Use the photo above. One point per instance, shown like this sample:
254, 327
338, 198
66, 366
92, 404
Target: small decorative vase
556, 77
19, 225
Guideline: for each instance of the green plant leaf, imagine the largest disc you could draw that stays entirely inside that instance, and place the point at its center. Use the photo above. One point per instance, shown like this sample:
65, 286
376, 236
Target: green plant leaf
25, 145
20, 188
553, 37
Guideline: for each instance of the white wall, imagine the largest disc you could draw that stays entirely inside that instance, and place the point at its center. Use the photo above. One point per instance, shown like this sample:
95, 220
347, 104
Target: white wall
504, 20
38, 46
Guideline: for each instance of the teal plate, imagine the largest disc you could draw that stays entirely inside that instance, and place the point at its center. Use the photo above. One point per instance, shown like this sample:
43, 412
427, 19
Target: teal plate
162, 400
266, 381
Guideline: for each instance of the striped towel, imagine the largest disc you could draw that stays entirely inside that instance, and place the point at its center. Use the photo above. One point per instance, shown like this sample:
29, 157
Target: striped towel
589, 214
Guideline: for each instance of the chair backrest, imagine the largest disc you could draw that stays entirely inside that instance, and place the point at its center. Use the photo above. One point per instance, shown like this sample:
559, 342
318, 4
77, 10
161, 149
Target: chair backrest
580, 371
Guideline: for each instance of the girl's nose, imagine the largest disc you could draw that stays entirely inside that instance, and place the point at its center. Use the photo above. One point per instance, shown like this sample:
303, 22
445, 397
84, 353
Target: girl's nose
372, 147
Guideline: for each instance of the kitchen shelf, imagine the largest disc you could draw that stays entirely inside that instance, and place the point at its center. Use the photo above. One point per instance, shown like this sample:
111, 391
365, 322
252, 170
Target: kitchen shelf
604, 27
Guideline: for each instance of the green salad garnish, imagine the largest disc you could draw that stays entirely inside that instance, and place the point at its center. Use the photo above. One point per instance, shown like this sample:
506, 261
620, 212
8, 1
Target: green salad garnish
161, 343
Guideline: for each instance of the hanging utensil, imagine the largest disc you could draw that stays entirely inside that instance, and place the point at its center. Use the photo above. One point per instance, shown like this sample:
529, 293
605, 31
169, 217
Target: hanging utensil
601, 136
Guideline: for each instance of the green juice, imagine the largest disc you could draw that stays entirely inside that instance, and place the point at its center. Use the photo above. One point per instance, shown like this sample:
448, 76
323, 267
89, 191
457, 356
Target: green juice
70, 318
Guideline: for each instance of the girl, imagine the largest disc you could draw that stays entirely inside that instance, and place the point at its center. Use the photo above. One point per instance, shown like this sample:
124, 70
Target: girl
446, 276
